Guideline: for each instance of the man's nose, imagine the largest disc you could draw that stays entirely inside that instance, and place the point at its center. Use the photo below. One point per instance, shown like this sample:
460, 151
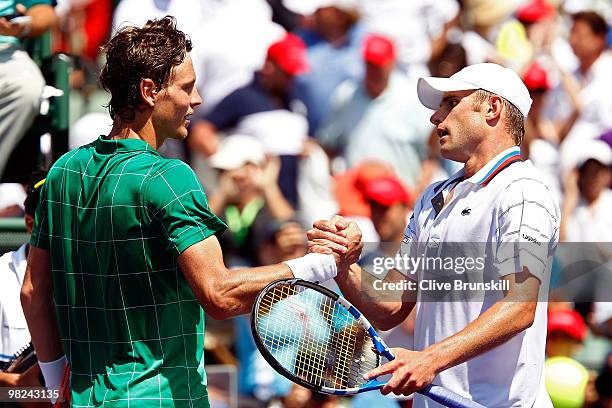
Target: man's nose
435, 119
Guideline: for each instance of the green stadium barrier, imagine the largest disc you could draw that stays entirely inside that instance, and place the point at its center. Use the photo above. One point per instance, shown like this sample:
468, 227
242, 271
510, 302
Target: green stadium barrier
13, 233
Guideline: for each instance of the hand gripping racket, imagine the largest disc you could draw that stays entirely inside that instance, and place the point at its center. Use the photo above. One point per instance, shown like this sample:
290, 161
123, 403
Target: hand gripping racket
317, 339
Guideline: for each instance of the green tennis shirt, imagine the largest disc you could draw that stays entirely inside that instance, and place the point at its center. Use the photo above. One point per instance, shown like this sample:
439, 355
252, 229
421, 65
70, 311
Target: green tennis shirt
115, 215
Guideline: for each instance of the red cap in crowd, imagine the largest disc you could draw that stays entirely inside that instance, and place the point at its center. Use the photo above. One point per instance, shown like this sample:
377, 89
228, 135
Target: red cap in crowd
534, 11
349, 186
567, 321
378, 50
536, 78
386, 191
289, 54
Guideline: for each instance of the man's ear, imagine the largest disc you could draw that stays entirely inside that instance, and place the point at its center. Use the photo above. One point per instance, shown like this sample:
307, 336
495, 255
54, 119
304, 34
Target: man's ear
148, 92
495, 107
29, 222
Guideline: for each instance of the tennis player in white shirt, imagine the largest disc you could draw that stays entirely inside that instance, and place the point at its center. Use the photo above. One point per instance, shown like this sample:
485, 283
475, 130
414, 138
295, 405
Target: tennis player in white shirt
489, 348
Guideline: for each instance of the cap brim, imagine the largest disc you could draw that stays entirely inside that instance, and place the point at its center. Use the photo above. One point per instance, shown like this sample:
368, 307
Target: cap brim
431, 89
224, 161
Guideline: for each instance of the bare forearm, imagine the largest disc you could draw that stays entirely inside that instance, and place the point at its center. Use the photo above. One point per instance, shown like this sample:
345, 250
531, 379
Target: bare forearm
240, 287
39, 311
498, 324
378, 306
43, 18
225, 293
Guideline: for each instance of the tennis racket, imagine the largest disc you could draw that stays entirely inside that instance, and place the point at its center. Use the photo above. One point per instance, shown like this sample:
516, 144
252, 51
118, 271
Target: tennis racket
317, 339
23, 359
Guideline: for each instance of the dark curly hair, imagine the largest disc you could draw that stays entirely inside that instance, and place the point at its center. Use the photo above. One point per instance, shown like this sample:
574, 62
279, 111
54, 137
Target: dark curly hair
134, 54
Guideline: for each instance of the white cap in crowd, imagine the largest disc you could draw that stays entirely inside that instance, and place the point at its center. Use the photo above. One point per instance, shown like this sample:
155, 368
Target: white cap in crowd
236, 151
308, 7
491, 77
592, 149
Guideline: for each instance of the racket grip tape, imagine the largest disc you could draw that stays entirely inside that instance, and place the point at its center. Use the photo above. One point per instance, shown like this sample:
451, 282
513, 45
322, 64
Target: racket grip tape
448, 398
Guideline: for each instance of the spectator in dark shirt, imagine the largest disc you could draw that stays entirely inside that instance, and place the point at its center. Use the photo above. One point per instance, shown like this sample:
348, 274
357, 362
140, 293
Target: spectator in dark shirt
266, 97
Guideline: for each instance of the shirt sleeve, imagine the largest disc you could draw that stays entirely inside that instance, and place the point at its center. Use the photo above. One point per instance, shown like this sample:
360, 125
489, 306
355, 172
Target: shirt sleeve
527, 229
175, 200
40, 229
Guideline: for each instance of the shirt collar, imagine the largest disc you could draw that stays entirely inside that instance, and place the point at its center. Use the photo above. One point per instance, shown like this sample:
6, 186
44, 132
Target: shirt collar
495, 166
105, 145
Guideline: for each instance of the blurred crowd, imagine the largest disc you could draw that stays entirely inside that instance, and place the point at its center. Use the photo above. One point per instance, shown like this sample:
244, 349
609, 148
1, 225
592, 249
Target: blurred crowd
310, 110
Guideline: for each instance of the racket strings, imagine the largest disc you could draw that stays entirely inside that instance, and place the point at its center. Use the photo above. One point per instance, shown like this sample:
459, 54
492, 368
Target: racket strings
314, 338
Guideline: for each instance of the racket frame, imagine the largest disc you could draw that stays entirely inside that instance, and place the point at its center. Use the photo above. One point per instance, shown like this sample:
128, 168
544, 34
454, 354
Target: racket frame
379, 344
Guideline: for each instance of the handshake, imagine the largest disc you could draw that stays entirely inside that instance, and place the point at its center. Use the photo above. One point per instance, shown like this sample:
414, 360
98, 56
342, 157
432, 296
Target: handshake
339, 238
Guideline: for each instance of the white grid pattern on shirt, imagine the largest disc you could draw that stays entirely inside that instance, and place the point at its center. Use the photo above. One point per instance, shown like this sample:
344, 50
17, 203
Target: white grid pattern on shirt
115, 241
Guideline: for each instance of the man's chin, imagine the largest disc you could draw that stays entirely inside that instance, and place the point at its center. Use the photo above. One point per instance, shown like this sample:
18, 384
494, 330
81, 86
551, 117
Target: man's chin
180, 134
447, 152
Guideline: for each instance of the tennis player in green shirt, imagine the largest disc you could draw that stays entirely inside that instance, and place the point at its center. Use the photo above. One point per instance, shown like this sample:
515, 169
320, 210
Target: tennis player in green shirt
125, 262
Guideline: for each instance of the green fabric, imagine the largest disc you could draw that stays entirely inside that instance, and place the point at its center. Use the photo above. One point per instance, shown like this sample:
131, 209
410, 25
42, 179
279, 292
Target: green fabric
114, 216
7, 7
240, 222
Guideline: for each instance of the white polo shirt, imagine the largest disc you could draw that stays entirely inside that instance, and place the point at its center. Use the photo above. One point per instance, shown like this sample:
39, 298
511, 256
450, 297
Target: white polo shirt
505, 205
14, 332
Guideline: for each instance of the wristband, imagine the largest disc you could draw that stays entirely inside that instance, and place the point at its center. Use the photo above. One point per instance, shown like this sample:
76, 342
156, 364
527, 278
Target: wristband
26, 23
313, 267
53, 371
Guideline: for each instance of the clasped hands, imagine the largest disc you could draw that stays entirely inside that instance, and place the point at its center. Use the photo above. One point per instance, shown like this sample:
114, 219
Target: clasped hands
411, 370
337, 237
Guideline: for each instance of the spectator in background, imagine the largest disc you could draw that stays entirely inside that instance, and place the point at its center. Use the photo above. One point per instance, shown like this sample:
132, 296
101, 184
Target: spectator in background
22, 81
83, 27
14, 333
585, 215
247, 197
334, 45
541, 142
262, 107
378, 116
585, 219
566, 333
588, 39
418, 28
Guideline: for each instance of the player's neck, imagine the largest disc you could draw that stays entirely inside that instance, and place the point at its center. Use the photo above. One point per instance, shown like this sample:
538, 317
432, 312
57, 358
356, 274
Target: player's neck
482, 156
135, 130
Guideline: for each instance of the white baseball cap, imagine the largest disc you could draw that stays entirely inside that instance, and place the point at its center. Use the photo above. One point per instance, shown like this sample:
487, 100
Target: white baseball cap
494, 78
236, 151
308, 7
592, 149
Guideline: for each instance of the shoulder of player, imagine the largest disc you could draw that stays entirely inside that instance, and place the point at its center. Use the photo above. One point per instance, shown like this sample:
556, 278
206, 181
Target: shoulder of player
523, 176
522, 183
170, 170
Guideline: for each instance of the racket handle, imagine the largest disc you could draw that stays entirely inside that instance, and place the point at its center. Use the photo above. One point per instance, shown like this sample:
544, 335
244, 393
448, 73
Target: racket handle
448, 398
371, 385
